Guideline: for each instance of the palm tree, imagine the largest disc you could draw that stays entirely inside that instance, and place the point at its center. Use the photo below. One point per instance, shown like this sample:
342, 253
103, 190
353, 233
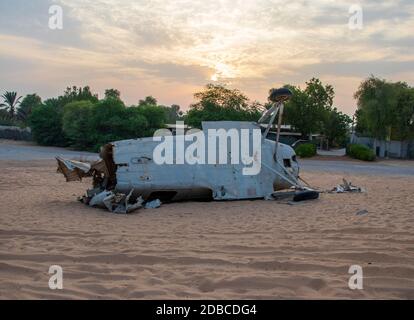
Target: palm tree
10, 102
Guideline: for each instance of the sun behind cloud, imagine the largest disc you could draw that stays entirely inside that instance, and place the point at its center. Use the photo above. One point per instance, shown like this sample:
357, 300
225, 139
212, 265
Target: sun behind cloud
169, 48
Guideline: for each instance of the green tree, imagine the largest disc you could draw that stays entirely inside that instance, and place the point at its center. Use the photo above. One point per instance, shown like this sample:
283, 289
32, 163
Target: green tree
218, 103
79, 119
155, 115
377, 105
78, 94
221, 96
173, 113
5, 119
112, 121
28, 103
107, 121
361, 126
403, 126
74, 94
150, 100
89, 126
336, 127
46, 124
137, 125
112, 93
10, 102
47, 128
307, 110
77, 124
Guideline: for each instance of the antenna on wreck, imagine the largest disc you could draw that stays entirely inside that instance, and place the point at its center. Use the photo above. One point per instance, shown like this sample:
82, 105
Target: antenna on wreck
277, 97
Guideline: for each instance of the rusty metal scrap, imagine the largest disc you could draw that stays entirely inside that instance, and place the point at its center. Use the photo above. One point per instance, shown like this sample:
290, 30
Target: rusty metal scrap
116, 202
346, 187
98, 196
73, 170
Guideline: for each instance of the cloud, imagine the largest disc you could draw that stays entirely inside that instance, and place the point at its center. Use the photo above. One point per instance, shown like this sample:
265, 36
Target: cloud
182, 44
27, 18
175, 72
361, 69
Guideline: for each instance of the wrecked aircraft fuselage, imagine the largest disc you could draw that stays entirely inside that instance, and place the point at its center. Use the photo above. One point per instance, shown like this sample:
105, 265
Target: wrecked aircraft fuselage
227, 160
129, 165
136, 169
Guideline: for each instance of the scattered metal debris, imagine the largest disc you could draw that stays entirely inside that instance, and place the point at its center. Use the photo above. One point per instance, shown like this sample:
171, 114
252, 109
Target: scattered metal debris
362, 212
114, 202
346, 187
153, 204
98, 200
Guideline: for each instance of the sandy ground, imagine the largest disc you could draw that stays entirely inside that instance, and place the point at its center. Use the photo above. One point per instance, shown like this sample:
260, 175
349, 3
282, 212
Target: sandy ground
245, 249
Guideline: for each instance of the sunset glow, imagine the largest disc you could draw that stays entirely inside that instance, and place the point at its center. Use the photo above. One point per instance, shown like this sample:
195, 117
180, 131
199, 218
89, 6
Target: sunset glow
170, 49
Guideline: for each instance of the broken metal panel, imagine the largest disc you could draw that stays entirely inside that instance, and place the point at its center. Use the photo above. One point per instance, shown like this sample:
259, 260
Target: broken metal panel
116, 202
109, 169
100, 166
346, 187
153, 204
73, 170
98, 199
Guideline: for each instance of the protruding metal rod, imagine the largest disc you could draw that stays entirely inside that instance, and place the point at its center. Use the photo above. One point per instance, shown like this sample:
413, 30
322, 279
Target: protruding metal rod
269, 125
279, 126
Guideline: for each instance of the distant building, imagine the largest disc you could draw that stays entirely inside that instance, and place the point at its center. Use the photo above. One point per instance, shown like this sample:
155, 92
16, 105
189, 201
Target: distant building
387, 149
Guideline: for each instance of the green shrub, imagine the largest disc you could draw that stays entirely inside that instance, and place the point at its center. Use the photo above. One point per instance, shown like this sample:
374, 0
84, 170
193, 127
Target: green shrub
155, 117
306, 150
113, 121
361, 152
6, 119
209, 111
7, 122
88, 126
80, 120
77, 118
46, 124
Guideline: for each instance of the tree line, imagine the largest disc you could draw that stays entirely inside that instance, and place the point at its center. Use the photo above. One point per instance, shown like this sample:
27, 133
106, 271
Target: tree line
79, 119
310, 110
385, 110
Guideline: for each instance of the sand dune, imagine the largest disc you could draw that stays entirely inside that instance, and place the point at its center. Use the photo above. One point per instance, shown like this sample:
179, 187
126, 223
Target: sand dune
248, 249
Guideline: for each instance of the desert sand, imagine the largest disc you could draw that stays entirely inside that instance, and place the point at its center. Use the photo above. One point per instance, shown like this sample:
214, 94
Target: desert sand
240, 250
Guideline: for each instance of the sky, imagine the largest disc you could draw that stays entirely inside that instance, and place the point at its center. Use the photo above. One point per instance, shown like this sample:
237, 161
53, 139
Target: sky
171, 49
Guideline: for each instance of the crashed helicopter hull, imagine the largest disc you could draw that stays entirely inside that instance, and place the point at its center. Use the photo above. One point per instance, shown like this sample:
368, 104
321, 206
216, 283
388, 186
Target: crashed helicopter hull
137, 170
129, 165
131, 170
